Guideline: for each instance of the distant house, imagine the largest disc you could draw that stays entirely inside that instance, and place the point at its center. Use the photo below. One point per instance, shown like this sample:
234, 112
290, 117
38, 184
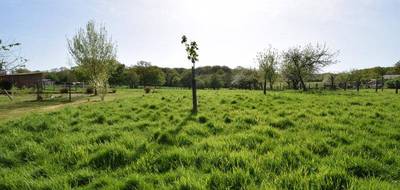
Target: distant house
387, 77
373, 82
21, 80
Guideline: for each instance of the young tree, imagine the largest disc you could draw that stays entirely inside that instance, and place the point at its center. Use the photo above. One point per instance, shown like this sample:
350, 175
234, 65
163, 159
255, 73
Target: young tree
191, 50
289, 76
9, 61
343, 79
300, 63
95, 55
380, 72
332, 80
356, 76
268, 62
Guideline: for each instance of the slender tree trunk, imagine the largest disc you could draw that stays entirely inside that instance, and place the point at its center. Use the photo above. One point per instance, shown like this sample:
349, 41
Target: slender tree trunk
194, 93
397, 87
69, 92
383, 84
302, 84
265, 86
376, 85
8, 95
39, 91
358, 86
271, 85
345, 86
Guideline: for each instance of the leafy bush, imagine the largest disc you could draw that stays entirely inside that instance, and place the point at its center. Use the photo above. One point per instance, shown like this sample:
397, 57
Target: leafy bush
89, 90
147, 90
391, 83
64, 90
6, 85
202, 119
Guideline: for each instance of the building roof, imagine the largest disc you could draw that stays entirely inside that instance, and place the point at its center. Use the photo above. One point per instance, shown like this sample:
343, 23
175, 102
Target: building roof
19, 74
390, 76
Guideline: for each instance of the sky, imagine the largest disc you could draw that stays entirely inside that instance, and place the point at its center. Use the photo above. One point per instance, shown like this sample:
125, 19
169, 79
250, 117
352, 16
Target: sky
229, 32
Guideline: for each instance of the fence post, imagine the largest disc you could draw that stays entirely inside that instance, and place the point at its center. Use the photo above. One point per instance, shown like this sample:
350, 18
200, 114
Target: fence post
38, 92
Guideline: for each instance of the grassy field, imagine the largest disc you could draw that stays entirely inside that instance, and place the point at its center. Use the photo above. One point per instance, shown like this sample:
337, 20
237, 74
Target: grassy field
25, 103
239, 140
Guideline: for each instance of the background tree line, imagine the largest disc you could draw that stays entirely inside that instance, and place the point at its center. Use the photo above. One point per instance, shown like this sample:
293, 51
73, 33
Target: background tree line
213, 77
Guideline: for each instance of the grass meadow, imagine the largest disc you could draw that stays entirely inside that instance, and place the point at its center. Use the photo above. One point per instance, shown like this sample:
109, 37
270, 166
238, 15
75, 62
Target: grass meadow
238, 140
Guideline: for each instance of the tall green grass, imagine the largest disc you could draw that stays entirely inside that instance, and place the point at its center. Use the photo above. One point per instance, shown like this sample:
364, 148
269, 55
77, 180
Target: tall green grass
239, 140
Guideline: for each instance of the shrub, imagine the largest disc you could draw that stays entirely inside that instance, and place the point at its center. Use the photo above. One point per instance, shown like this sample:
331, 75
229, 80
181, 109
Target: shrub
113, 90
202, 119
392, 83
63, 90
6, 85
147, 90
89, 90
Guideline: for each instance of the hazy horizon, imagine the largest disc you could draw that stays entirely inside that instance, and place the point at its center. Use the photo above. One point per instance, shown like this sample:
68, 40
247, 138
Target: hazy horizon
230, 33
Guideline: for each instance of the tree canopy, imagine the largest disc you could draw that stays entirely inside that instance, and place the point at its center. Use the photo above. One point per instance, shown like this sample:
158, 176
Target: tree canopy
299, 63
94, 54
268, 63
9, 60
